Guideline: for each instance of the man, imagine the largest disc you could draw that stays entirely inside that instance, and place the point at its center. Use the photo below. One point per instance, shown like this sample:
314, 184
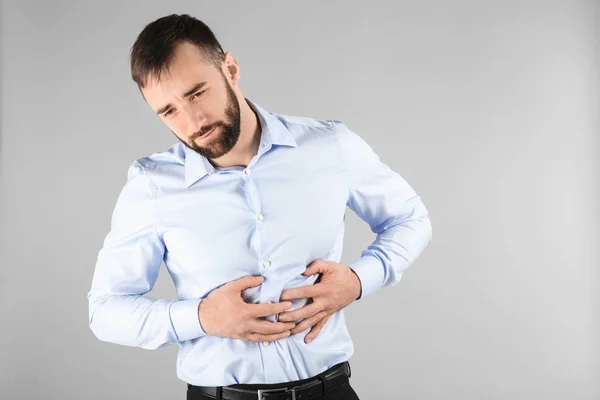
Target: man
247, 211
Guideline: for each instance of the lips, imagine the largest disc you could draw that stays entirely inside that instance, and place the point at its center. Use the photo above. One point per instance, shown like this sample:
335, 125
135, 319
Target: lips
206, 134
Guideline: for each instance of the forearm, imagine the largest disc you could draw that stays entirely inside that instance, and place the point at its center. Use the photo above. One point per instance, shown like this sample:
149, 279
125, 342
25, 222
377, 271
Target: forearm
140, 321
391, 253
392, 208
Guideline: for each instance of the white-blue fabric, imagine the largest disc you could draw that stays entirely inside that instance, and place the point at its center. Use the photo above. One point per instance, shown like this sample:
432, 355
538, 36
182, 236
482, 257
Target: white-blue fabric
272, 218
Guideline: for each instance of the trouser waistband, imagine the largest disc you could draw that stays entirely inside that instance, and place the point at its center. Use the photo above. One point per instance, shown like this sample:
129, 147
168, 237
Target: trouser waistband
310, 388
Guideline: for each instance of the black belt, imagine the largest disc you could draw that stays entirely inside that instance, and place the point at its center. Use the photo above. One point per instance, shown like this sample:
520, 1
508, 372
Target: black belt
325, 382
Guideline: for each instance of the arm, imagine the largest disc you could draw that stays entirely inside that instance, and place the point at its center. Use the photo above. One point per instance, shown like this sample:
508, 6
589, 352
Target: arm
383, 199
127, 267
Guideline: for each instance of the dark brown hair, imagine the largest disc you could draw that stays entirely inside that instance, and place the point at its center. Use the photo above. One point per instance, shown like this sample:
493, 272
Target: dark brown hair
154, 47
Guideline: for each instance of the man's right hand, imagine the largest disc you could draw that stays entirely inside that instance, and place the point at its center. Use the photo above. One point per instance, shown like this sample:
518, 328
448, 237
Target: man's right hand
225, 313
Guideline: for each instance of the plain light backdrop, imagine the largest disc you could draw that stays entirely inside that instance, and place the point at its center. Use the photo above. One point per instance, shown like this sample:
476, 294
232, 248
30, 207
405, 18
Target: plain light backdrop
489, 109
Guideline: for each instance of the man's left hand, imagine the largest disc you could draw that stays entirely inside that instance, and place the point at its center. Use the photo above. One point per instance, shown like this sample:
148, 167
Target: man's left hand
338, 287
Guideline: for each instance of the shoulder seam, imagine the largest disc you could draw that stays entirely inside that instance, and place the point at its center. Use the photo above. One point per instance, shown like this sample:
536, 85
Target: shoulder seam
333, 123
299, 120
154, 194
153, 187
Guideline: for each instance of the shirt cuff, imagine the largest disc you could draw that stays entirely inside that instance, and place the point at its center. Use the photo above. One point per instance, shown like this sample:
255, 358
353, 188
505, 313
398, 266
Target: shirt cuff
370, 272
185, 319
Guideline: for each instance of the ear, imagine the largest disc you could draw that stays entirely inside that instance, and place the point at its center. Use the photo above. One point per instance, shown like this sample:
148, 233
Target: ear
231, 69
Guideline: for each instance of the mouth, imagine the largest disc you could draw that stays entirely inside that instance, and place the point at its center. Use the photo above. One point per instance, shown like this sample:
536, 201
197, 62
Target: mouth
207, 134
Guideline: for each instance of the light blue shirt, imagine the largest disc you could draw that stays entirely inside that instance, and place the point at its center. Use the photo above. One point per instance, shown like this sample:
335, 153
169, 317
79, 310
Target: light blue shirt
272, 218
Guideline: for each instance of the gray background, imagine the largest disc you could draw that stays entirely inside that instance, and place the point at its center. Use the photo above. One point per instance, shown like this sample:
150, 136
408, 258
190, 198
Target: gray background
489, 110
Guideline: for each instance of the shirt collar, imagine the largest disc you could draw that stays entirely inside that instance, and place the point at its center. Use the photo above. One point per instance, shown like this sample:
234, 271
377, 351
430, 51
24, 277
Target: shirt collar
273, 132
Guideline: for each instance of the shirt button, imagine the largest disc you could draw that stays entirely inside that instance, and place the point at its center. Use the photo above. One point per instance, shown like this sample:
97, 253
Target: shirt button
267, 264
247, 171
265, 343
260, 217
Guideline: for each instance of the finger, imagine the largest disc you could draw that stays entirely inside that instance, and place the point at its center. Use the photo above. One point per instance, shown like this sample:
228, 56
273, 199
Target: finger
301, 313
268, 327
315, 267
304, 292
257, 337
267, 310
307, 323
247, 282
314, 332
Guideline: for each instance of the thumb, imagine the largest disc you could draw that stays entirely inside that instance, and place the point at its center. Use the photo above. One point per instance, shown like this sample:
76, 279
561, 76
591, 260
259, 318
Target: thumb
314, 268
249, 281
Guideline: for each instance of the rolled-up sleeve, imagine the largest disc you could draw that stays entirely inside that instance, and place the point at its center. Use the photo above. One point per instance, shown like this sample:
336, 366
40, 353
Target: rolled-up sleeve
391, 207
127, 267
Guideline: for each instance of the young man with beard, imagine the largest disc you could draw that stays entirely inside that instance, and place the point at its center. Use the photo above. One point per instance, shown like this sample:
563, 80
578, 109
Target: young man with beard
247, 211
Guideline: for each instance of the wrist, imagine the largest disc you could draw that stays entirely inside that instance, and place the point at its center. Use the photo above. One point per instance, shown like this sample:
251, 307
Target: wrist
202, 312
359, 284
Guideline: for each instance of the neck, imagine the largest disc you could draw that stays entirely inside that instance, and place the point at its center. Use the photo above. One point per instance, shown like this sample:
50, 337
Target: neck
247, 145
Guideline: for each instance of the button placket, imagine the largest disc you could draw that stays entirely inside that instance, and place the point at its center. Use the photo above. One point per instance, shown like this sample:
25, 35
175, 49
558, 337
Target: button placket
253, 200
266, 342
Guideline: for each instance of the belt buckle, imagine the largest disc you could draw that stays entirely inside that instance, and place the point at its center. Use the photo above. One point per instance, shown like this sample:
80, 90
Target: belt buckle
262, 391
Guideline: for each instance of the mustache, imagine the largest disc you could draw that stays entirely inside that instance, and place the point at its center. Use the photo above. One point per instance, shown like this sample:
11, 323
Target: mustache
198, 134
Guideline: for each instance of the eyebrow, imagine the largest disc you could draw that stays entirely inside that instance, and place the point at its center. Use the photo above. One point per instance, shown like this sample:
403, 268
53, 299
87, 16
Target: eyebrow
196, 87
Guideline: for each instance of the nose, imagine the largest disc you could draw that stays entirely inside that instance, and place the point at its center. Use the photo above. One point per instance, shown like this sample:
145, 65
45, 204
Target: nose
194, 121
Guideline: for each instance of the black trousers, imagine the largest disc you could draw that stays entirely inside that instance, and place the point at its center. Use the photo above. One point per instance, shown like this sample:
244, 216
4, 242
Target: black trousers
344, 392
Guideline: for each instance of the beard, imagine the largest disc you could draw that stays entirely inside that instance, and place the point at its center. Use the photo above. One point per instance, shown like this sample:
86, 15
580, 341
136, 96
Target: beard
225, 135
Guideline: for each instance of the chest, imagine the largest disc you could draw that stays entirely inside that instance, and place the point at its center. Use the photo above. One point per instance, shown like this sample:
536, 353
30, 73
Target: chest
229, 224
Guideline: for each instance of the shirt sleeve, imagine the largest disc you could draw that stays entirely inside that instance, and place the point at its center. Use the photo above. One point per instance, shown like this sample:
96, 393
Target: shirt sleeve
383, 199
127, 267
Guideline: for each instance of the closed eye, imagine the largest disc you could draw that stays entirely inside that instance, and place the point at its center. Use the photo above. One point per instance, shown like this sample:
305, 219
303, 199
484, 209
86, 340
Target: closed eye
197, 94
170, 111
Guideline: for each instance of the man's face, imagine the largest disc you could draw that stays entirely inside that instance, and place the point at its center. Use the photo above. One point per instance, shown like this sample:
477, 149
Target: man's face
191, 111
